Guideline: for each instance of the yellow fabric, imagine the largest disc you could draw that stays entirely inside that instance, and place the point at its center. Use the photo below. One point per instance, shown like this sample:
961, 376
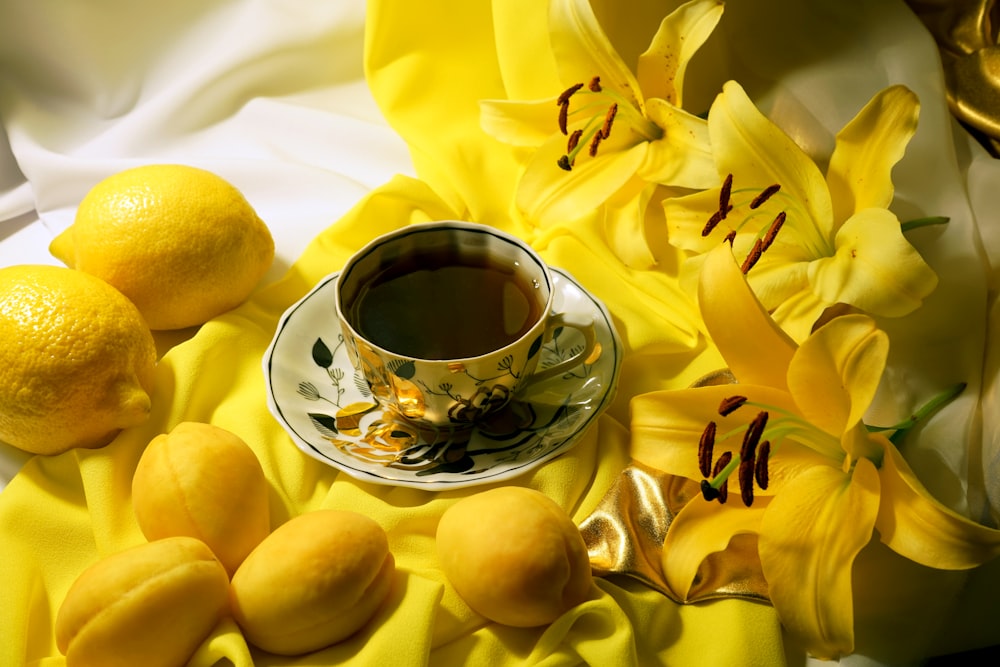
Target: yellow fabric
60, 514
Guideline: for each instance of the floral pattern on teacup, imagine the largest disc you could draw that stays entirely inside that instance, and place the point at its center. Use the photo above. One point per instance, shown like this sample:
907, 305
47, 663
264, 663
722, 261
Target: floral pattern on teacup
392, 439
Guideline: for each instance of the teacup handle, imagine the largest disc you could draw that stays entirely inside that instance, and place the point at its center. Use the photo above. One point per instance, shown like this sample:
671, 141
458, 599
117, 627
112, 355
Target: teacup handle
583, 324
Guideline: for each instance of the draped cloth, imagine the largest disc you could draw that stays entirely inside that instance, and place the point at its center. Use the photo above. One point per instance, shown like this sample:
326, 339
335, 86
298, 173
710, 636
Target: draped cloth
272, 96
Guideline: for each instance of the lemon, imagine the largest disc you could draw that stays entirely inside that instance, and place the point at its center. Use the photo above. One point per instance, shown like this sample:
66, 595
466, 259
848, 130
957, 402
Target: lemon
181, 242
76, 363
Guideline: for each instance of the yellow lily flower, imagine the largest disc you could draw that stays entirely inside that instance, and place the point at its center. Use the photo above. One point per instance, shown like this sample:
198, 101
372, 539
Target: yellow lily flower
814, 481
608, 126
810, 242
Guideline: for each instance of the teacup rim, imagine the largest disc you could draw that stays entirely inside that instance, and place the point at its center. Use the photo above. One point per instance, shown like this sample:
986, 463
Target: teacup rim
418, 227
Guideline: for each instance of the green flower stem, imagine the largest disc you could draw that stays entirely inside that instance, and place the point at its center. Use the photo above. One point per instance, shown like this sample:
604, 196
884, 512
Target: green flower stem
924, 222
925, 411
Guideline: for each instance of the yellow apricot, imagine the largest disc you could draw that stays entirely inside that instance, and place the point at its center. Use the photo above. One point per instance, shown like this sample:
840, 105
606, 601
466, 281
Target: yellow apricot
514, 556
205, 482
313, 582
151, 605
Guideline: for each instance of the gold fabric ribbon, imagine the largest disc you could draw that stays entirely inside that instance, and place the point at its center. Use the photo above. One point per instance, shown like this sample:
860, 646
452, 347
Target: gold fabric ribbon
625, 534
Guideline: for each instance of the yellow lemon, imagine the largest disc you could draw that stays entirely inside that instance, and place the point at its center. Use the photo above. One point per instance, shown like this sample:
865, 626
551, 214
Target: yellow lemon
205, 482
182, 243
76, 363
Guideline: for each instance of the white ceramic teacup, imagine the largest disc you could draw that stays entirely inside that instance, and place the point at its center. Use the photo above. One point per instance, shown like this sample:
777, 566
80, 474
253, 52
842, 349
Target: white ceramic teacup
446, 321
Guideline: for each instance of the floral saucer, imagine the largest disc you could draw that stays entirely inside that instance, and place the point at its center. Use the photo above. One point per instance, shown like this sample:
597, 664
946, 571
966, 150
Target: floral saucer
329, 412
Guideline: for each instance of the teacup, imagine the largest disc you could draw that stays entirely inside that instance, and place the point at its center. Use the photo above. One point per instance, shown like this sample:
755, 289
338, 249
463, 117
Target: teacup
446, 321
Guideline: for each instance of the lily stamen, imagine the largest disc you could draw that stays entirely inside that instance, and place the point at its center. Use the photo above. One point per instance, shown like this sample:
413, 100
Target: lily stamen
753, 257
772, 231
574, 140
609, 118
564, 118
705, 449
760, 472
761, 245
745, 476
753, 435
724, 194
721, 465
594, 143
563, 99
724, 206
764, 195
730, 404
712, 223
595, 85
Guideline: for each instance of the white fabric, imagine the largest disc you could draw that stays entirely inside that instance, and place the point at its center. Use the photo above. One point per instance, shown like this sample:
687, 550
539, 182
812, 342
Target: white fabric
269, 94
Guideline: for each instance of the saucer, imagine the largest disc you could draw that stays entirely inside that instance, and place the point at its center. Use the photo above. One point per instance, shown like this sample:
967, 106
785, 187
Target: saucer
328, 410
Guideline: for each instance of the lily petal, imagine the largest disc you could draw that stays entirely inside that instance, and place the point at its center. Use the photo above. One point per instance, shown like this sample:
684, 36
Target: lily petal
661, 68
758, 153
867, 148
629, 222
756, 349
874, 268
779, 275
519, 123
582, 50
699, 530
836, 371
798, 313
549, 195
809, 537
686, 217
914, 524
683, 157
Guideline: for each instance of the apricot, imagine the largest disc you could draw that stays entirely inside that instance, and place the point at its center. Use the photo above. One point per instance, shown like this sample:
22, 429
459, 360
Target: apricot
514, 556
151, 605
205, 482
313, 582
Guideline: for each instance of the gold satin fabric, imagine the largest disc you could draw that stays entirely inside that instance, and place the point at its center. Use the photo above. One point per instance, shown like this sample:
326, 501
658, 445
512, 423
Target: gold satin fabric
625, 534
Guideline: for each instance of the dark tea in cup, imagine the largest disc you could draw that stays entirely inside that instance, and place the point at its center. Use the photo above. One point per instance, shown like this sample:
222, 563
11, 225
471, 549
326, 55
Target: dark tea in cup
447, 303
